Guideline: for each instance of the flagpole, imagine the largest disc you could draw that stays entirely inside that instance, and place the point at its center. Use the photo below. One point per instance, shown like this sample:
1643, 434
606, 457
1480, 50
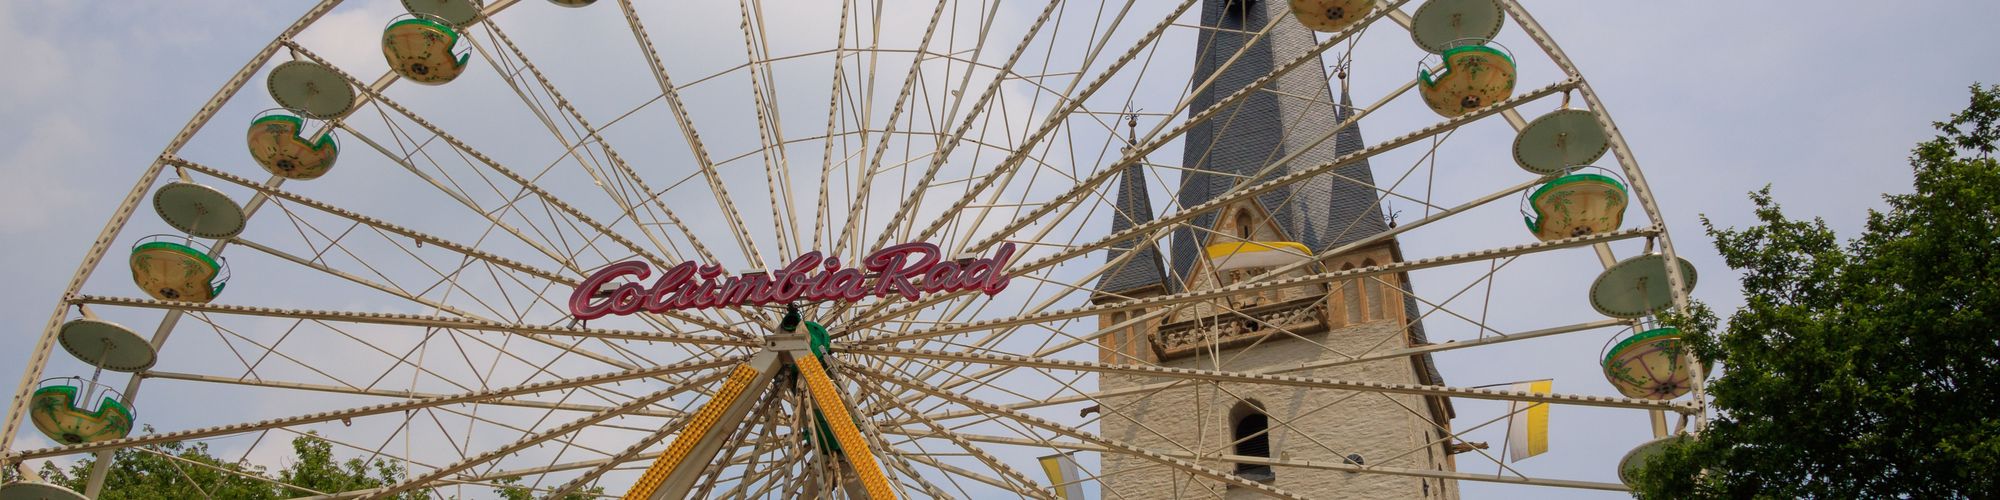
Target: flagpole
1500, 467
1510, 383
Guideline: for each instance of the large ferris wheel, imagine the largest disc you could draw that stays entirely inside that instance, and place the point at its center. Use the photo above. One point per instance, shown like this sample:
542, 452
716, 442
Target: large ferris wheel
534, 242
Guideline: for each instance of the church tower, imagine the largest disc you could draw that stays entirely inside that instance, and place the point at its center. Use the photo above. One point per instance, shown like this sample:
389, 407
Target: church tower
1270, 434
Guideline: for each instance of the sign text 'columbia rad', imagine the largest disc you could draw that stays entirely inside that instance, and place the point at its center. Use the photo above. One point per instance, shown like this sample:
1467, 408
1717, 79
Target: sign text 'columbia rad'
909, 270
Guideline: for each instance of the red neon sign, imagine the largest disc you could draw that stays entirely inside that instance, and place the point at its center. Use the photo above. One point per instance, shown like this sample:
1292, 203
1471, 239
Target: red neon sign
908, 269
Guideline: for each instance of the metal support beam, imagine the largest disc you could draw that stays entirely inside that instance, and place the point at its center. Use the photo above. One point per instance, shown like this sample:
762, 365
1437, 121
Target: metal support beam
1410, 351
1245, 288
675, 472
831, 405
1112, 444
1265, 379
416, 321
388, 393
469, 397
1341, 466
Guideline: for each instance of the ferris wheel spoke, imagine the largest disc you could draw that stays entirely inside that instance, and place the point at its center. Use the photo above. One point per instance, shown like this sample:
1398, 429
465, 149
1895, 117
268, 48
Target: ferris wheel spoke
855, 223
1153, 238
1386, 339
1054, 120
456, 191
464, 323
1105, 409
1016, 481
320, 260
732, 216
632, 452
946, 145
574, 149
1156, 139
949, 470
820, 209
462, 249
388, 393
770, 132
771, 438
494, 217
524, 443
468, 397
967, 301
1240, 192
1079, 434
1268, 379
593, 134
456, 144
1451, 435
1391, 354
740, 437
1253, 287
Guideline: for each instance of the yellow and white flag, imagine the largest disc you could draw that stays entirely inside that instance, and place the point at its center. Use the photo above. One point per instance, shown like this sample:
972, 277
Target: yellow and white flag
1242, 254
1064, 475
1528, 431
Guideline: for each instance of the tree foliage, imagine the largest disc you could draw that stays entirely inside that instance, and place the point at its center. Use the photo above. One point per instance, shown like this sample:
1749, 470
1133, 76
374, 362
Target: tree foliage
1863, 369
180, 470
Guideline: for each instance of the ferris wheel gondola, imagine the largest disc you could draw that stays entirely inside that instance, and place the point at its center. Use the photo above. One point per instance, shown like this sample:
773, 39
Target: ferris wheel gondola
423, 49
75, 410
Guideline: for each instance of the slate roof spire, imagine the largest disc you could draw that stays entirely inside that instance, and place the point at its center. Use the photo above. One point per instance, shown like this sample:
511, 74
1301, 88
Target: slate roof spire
1133, 207
1294, 114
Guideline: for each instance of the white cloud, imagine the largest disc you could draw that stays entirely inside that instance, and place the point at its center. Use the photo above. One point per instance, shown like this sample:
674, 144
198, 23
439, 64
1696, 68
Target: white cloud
37, 192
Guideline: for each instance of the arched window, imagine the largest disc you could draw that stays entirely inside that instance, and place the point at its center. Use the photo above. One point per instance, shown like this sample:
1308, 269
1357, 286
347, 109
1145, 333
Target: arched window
1118, 340
1243, 225
1374, 287
1350, 293
1249, 428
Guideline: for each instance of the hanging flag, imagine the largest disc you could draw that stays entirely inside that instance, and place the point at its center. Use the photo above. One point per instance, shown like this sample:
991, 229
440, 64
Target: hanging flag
1528, 431
1242, 254
1064, 475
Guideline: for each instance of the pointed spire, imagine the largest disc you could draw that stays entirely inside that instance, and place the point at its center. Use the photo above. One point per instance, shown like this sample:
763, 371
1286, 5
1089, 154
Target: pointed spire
1351, 202
1322, 211
1133, 207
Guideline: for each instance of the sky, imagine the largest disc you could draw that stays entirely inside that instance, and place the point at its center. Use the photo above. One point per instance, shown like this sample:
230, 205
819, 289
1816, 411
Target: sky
1821, 102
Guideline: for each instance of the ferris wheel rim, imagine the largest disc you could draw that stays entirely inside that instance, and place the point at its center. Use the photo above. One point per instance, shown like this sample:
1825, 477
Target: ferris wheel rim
168, 158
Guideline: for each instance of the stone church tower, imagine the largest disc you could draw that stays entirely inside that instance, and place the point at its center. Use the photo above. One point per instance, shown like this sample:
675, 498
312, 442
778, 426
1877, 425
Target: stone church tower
1223, 423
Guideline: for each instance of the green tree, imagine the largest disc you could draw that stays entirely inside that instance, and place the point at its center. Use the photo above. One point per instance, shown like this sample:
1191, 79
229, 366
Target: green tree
167, 470
1863, 369
179, 470
317, 469
511, 489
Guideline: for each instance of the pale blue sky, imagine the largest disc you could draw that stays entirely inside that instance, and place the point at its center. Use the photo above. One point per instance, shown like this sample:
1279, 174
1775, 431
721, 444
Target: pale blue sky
1821, 99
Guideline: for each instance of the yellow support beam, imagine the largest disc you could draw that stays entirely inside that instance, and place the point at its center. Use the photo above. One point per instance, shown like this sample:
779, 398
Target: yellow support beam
728, 404
828, 400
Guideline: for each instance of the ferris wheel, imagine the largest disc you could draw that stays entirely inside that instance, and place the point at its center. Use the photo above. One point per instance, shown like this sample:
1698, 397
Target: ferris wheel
880, 250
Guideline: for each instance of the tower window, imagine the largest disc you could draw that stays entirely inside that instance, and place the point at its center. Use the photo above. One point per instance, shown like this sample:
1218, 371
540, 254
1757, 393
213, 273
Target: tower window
1119, 339
1350, 293
1243, 225
1252, 438
1374, 287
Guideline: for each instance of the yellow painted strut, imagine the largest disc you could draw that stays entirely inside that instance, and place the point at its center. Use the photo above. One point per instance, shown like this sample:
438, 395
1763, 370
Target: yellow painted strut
729, 404
828, 400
